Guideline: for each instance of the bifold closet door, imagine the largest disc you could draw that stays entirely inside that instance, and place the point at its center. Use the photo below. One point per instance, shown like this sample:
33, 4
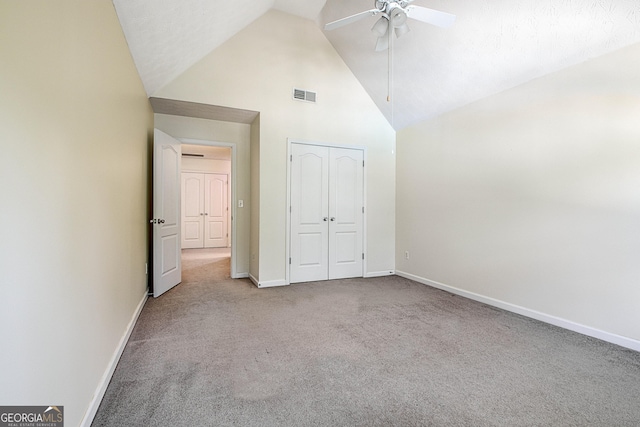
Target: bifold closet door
326, 213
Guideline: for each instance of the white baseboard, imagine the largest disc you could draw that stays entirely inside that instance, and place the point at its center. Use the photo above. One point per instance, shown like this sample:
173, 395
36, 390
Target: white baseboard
240, 276
253, 279
543, 317
111, 367
380, 273
267, 284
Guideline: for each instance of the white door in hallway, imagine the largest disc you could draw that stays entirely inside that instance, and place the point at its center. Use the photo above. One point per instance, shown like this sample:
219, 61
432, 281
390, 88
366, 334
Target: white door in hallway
326, 213
192, 210
205, 210
216, 211
167, 267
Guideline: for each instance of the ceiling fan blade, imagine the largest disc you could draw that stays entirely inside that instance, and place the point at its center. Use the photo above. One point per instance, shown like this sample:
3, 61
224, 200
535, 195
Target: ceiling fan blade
431, 16
349, 19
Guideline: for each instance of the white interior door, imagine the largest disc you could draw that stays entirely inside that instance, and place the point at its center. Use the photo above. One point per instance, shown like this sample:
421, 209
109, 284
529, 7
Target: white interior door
346, 174
193, 210
327, 199
167, 268
216, 211
309, 213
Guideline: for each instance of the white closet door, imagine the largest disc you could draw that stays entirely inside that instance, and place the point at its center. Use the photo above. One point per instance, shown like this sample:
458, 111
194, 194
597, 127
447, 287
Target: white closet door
216, 211
327, 187
192, 210
346, 174
309, 246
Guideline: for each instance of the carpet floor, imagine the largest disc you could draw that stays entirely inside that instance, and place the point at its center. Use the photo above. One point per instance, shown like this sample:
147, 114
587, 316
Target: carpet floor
359, 352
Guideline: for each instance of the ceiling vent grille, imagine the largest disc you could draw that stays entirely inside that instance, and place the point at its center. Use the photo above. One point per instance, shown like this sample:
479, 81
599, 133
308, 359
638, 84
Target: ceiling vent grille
304, 95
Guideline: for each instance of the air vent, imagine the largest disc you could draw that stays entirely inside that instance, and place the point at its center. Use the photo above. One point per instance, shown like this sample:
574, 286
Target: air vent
304, 95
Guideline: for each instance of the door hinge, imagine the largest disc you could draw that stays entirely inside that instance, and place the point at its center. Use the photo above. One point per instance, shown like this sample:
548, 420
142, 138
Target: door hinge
362, 255
289, 261
363, 209
363, 163
291, 157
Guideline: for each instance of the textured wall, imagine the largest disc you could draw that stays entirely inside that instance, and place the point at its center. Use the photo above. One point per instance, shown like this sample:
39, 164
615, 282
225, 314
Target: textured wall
74, 124
530, 197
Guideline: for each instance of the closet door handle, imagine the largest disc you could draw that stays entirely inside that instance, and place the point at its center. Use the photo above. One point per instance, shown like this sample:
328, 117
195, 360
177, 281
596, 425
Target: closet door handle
325, 218
333, 218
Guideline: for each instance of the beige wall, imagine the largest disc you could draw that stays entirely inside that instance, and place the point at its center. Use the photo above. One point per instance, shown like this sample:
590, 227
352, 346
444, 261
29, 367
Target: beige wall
75, 127
234, 133
257, 70
531, 197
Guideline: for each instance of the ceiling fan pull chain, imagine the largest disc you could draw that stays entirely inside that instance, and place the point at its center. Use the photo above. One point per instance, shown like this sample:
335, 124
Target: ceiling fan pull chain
390, 66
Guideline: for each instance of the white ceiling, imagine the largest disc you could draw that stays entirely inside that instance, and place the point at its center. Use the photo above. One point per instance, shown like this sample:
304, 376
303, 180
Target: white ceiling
494, 44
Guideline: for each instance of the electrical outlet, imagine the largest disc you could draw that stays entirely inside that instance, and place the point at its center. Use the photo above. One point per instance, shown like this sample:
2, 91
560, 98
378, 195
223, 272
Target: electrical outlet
406, 254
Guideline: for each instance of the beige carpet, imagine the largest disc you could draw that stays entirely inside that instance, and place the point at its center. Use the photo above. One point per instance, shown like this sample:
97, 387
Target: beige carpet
211, 264
361, 352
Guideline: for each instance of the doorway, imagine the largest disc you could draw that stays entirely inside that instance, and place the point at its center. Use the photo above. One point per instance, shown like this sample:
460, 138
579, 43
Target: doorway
206, 194
166, 222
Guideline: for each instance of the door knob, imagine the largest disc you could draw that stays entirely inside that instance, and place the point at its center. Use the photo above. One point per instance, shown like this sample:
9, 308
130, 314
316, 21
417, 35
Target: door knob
333, 218
325, 218
161, 221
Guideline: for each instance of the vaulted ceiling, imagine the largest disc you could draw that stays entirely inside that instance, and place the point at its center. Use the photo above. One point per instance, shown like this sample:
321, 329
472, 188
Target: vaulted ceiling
493, 45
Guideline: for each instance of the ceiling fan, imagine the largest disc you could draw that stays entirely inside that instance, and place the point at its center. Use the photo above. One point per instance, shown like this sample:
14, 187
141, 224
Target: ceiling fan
394, 15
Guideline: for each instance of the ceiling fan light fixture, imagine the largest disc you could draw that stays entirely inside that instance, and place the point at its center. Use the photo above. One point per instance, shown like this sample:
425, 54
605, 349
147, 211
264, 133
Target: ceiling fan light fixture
382, 43
397, 17
403, 29
381, 26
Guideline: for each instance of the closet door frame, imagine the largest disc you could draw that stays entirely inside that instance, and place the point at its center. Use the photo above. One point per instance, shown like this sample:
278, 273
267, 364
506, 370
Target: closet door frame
291, 141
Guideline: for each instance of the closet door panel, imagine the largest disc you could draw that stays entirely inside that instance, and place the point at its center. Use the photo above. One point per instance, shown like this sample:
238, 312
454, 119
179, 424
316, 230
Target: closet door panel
216, 211
309, 213
192, 210
346, 175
